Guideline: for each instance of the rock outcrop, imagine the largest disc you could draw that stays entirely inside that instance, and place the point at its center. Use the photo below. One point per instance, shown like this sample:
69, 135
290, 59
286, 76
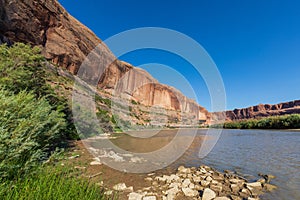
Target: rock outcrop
66, 42
46, 24
261, 110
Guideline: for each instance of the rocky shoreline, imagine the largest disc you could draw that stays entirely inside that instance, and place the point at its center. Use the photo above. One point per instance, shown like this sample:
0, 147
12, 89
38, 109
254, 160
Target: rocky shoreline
203, 183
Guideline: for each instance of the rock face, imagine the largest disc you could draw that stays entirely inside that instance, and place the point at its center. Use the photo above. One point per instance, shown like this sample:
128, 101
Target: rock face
5, 40
168, 97
66, 42
46, 24
137, 84
261, 110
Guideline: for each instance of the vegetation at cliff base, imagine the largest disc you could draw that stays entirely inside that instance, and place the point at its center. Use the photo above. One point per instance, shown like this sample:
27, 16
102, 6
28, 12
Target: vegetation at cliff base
35, 123
29, 130
275, 122
32, 118
23, 68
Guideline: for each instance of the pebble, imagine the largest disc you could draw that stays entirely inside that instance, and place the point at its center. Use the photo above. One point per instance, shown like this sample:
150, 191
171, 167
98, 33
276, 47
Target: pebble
186, 183
269, 187
254, 184
182, 169
75, 156
233, 180
209, 178
233, 197
216, 188
109, 192
261, 180
208, 194
95, 163
221, 198
135, 196
174, 177
172, 191
148, 179
197, 179
234, 188
79, 167
120, 187
101, 183
188, 192
192, 185
172, 185
204, 183
149, 198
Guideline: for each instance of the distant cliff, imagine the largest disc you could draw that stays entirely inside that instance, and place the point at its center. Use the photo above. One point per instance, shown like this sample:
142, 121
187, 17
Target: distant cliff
259, 111
66, 42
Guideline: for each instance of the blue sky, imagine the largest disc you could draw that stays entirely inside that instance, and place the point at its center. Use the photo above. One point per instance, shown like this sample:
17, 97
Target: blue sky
254, 43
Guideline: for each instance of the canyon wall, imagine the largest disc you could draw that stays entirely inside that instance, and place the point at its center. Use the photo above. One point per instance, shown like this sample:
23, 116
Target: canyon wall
261, 110
46, 24
66, 43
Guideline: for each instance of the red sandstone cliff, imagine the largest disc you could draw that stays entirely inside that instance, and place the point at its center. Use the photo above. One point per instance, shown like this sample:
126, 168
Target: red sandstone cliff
66, 42
261, 110
46, 24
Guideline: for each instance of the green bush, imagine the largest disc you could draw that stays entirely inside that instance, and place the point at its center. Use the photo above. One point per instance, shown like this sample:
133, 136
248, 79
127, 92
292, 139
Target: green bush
103, 100
120, 124
29, 130
134, 102
104, 120
21, 68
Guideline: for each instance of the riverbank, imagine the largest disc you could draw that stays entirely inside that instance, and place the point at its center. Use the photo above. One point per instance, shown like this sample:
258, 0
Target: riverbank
183, 183
291, 121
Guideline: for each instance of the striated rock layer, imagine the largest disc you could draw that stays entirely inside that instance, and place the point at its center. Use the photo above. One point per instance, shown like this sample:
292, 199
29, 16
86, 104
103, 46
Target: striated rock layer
261, 110
66, 42
139, 85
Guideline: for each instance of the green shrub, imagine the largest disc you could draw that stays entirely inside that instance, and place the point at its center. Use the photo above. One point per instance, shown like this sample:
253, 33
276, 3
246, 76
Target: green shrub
21, 68
120, 124
100, 99
104, 120
29, 129
134, 102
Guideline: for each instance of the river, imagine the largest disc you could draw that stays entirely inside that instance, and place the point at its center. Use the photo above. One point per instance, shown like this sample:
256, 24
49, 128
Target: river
250, 152
247, 152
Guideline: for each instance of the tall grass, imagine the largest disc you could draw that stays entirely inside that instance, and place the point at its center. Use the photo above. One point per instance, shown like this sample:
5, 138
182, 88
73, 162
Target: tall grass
51, 184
